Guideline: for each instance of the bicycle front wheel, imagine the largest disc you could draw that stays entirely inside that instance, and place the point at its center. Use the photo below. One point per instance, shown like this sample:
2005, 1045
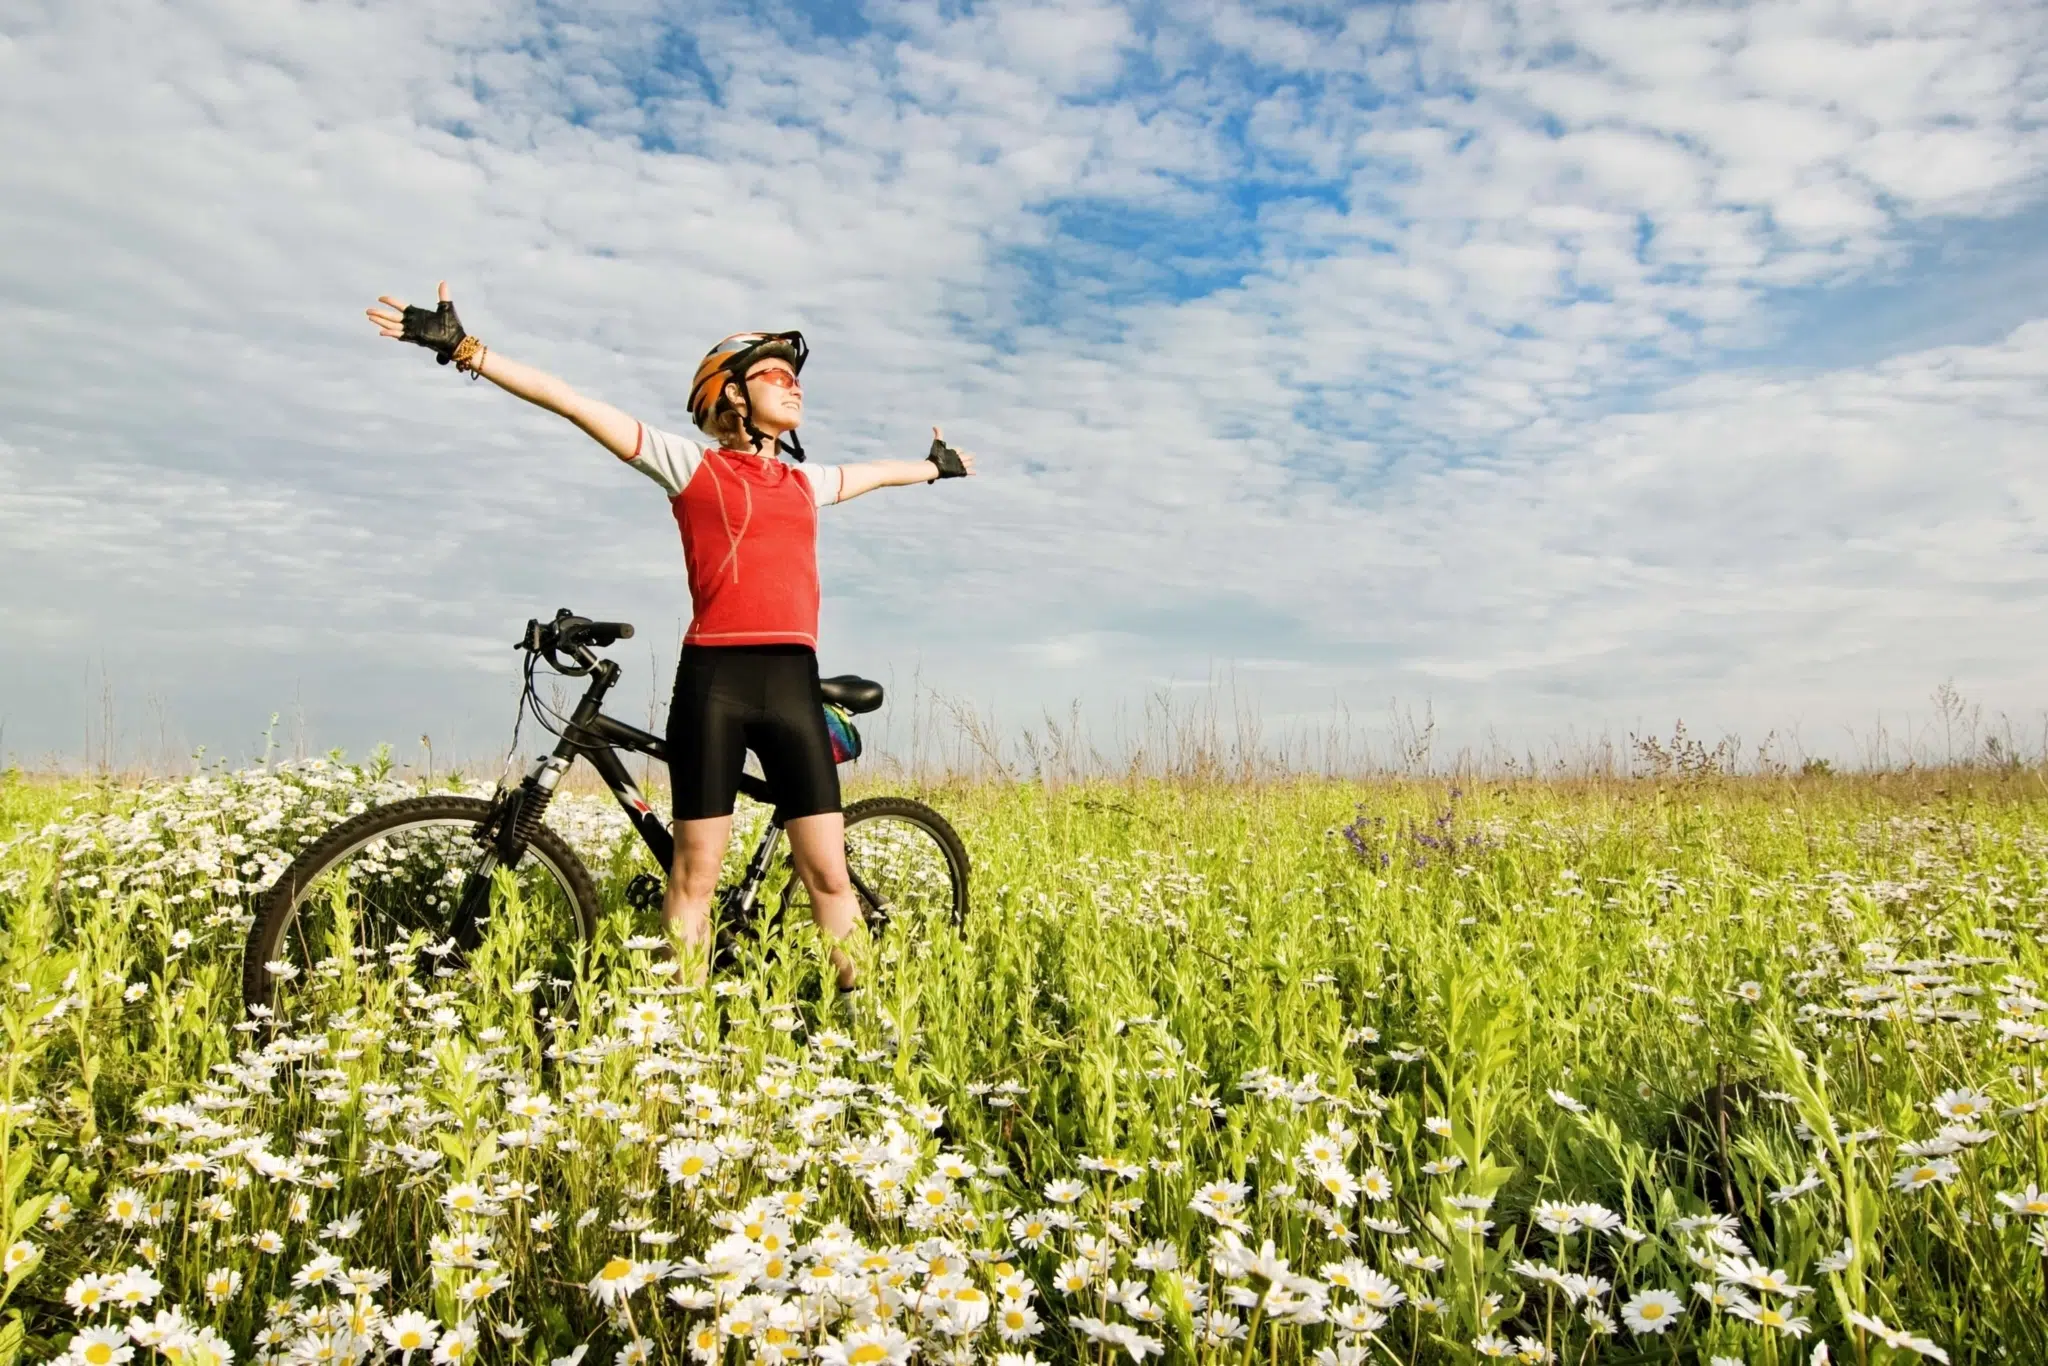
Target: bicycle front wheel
381, 892
908, 868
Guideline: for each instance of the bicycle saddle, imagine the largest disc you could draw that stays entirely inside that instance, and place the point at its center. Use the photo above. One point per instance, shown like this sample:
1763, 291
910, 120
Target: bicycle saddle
853, 693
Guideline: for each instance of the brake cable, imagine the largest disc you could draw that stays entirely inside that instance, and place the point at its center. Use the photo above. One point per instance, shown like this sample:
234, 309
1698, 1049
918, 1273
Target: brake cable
544, 715
550, 720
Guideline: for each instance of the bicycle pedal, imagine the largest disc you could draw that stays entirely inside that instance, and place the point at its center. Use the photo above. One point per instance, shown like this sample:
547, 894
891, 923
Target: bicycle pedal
645, 892
725, 955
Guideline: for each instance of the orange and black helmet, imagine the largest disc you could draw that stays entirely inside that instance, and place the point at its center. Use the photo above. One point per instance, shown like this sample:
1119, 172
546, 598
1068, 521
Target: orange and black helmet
728, 363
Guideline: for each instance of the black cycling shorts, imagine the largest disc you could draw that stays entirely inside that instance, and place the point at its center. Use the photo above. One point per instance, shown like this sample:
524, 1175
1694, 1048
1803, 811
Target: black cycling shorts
733, 698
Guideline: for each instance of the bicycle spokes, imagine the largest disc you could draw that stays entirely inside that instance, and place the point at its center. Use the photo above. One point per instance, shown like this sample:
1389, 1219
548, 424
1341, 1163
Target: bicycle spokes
426, 902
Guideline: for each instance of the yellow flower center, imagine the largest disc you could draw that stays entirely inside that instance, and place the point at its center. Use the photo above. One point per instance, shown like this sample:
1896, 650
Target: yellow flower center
99, 1353
1650, 1311
867, 1351
617, 1269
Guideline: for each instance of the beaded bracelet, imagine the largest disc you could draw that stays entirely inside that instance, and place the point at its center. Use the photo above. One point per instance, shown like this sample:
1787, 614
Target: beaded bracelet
469, 357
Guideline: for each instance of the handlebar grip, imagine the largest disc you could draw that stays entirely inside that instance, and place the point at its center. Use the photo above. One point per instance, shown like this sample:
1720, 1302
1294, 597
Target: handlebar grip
570, 632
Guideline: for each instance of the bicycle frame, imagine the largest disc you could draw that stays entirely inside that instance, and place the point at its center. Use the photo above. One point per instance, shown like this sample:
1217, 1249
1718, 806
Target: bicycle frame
598, 738
516, 812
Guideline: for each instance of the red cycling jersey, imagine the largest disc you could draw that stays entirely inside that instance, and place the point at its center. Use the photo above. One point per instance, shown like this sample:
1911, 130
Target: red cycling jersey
750, 538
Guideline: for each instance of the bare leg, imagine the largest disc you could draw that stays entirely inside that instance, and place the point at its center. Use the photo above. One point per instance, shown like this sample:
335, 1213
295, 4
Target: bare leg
686, 910
818, 845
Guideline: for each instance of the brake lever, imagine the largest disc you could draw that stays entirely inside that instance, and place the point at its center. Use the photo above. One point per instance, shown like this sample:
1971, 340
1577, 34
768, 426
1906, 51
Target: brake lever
578, 653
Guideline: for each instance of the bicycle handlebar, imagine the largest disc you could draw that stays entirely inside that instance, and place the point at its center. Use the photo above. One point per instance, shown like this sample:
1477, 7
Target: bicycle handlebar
572, 635
599, 634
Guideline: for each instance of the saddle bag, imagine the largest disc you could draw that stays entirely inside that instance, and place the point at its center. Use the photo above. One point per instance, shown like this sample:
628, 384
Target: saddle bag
845, 735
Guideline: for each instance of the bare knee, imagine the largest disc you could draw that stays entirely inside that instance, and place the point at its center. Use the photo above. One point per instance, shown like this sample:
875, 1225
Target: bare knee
700, 857
694, 881
831, 881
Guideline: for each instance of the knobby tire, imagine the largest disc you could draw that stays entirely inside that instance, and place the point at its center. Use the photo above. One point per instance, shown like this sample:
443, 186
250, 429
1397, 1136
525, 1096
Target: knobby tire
915, 813
279, 907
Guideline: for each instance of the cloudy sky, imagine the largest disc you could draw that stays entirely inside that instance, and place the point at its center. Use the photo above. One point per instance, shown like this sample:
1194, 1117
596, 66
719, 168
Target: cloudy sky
1565, 367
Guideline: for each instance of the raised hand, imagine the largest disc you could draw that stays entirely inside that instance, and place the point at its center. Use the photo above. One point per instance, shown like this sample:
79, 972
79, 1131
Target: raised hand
437, 329
952, 464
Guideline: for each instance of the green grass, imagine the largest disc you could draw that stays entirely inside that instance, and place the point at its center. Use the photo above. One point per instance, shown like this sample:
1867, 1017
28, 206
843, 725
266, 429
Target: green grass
1721, 1012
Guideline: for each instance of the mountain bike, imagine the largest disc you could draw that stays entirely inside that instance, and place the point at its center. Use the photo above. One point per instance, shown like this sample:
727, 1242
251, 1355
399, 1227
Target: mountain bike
443, 882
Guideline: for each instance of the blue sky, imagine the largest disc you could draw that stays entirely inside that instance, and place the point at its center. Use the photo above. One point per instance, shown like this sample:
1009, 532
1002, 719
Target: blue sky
1564, 367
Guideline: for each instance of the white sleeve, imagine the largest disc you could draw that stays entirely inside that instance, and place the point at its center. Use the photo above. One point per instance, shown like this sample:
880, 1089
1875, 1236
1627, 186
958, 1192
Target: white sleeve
826, 481
669, 460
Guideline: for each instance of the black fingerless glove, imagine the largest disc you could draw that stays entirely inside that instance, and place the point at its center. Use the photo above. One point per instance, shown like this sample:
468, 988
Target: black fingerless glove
437, 329
947, 459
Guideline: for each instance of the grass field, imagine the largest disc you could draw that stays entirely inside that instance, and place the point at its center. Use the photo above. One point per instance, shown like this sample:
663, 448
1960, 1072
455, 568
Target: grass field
1727, 1071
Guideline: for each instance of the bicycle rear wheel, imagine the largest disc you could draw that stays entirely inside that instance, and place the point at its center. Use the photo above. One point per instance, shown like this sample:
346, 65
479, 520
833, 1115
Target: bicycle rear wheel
908, 868
380, 893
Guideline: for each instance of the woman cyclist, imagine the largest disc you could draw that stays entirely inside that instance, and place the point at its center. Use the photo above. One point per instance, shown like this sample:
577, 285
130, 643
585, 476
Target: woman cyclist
748, 677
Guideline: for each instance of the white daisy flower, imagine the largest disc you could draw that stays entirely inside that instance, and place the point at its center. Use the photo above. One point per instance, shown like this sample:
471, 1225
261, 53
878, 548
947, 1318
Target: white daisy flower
1897, 1339
1652, 1311
1962, 1103
1922, 1174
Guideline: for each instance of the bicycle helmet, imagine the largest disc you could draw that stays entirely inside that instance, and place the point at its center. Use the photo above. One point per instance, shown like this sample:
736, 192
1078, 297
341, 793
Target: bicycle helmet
728, 363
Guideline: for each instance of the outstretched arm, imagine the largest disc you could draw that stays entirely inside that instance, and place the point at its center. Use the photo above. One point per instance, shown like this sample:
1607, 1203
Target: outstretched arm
608, 426
882, 474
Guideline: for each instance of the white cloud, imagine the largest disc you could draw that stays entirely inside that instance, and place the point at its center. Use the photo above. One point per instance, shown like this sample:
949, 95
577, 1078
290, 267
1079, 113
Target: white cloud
1448, 426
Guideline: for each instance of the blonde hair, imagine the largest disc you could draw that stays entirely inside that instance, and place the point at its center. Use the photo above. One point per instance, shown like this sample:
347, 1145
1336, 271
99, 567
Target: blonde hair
728, 426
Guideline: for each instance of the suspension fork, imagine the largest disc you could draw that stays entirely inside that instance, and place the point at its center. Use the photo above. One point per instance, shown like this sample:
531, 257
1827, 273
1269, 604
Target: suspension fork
516, 813
510, 827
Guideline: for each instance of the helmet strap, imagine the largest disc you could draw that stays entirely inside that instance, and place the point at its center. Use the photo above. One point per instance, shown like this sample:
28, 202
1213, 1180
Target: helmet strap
754, 434
786, 442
